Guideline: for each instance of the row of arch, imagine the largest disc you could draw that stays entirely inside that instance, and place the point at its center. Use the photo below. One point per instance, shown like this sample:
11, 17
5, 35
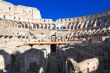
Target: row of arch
70, 36
103, 21
15, 24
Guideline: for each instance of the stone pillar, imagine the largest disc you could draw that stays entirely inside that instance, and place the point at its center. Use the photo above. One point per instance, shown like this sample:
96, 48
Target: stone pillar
2, 63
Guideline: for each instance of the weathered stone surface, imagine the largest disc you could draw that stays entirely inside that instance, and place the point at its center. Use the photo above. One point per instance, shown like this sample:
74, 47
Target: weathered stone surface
81, 43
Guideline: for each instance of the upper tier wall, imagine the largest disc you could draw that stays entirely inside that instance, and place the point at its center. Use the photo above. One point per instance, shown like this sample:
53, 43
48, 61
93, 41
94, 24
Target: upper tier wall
83, 18
19, 13
28, 14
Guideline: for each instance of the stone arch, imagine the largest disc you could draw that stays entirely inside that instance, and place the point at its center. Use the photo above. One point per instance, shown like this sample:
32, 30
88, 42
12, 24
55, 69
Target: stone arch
29, 61
11, 23
26, 25
76, 25
48, 26
45, 26
93, 22
34, 26
53, 26
93, 30
98, 21
71, 36
77, 33
82, 24
79, 25
87, 23
97, 31
37, 26
41, 26
3, 22
89, 31
80, 33
104, 20
20, 25
15, 23
31, 26
4, 16
103, 30
72, 24
68, 26
84, 32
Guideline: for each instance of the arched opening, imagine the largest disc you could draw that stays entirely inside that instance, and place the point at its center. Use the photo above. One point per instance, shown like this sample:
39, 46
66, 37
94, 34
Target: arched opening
48, 26
63, 27
4, 16
53, 38
34, 26
84, 24
19, 26
37, 26
45, 26
90, 40
76, 25
53, 47
26, 25
98, 21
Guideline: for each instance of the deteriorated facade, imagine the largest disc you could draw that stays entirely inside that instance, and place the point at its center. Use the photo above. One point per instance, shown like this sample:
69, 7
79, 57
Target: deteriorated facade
27, 41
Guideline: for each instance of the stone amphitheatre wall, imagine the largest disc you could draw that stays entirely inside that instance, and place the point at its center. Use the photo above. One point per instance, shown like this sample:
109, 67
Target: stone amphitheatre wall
19, 12
20, 25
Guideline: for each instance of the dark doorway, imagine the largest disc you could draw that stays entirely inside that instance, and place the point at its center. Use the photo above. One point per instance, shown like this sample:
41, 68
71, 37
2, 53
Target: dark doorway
90, 40
53, 47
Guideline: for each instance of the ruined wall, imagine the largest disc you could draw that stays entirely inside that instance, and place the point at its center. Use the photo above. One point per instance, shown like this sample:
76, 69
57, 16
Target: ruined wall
19, 12
91, 58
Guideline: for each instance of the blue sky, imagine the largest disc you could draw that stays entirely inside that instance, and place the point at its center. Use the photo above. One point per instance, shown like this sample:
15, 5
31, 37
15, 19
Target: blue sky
56, 9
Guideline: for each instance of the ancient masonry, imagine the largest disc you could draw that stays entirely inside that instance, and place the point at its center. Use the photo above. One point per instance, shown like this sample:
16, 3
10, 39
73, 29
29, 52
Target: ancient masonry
31, 44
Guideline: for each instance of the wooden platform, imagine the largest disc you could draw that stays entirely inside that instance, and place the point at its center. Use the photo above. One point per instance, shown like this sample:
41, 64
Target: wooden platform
60, 42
